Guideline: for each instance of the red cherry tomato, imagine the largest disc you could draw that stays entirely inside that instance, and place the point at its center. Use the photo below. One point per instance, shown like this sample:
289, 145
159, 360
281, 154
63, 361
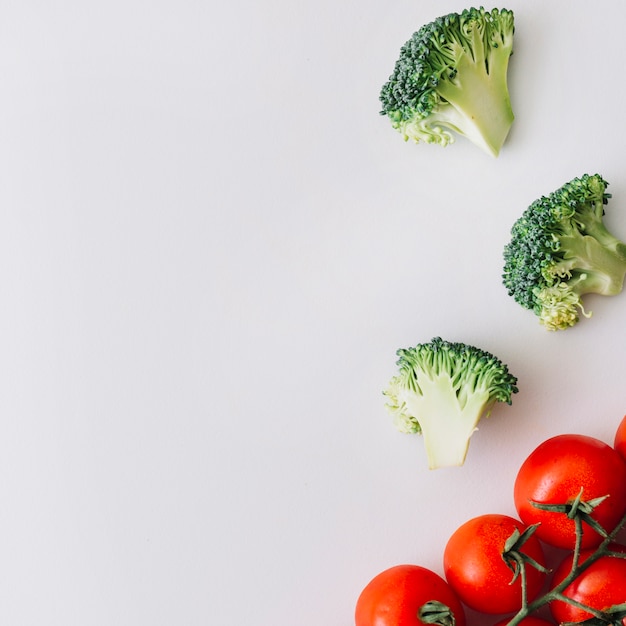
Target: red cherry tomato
527, 621
555, 472
396, 596
600, 586
474, 567
620, 438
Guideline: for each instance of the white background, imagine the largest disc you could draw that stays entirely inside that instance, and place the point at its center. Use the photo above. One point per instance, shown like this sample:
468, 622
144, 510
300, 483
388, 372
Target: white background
211, 247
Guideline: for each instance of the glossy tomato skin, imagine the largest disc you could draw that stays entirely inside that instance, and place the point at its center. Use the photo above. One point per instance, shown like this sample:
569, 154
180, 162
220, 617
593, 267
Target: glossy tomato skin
394, 597
600, 586
555, 472
527, 621
474, 567
620, 438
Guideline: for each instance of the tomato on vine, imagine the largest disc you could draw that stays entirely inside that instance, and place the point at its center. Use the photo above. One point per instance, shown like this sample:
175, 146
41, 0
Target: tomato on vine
577, 472
483, 563
408, 595
600, 586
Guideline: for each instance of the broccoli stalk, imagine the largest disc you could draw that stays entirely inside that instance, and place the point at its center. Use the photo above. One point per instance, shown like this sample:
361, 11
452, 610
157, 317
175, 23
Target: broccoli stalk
452, 76
442, 390
561, 250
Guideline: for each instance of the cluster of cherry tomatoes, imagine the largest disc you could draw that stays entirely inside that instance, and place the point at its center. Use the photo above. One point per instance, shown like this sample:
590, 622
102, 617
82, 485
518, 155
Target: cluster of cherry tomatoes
483, 567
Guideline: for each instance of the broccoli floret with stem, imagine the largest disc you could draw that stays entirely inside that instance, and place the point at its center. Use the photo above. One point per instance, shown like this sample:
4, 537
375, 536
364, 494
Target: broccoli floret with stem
442, 390
452, 76
561, 250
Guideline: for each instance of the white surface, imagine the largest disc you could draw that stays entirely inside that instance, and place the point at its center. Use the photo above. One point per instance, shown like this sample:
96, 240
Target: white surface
211, 247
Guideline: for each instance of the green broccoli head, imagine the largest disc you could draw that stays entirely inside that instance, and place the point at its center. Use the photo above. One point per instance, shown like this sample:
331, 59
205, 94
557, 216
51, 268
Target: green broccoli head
452, 76
442, 390
560, 250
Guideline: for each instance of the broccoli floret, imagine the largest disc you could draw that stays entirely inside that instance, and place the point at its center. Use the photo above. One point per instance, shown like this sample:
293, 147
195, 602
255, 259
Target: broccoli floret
560, 250
452, 76
442, 391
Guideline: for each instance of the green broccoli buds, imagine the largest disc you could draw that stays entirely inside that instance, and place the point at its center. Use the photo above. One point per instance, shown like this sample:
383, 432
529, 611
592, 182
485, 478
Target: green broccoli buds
451, 77
442, 390
560, 250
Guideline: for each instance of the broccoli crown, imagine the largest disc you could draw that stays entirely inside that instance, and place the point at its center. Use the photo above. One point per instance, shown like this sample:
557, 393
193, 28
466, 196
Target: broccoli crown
442, 390
560, 250
452, 75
